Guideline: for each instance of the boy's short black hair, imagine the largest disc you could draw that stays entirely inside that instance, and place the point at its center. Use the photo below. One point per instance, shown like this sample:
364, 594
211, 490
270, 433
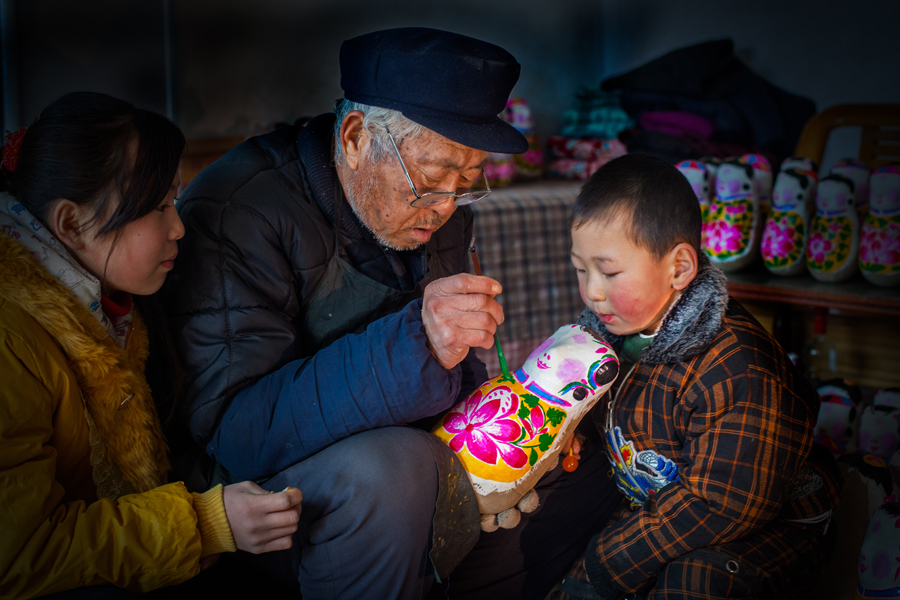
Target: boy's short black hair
661, 202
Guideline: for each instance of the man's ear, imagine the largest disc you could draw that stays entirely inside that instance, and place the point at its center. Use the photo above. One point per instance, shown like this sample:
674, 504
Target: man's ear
66, 222
353, 138
684, 265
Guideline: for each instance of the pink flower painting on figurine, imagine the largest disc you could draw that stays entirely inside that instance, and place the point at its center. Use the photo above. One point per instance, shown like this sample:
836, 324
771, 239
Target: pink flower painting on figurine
878, 246
723, 237
483, 426
819, 247
778, 241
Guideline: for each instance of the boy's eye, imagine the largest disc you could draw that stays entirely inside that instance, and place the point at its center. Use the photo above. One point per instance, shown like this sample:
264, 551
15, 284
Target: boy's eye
608, 275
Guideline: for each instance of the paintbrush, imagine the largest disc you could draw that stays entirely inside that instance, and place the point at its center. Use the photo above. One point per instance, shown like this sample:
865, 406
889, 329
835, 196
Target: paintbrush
503, 366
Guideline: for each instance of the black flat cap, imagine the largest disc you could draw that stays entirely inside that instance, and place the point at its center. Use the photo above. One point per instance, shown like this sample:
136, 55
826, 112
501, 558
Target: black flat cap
450, 83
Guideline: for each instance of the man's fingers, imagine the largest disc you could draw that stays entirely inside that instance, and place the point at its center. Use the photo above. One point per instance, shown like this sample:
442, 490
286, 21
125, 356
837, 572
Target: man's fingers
464, 283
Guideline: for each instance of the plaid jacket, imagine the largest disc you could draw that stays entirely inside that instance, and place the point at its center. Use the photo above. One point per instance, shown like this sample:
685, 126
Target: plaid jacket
730, 420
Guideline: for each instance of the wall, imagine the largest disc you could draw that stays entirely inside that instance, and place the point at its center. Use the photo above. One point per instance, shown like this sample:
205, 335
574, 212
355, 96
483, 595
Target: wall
241, 66
829, 51
244, 66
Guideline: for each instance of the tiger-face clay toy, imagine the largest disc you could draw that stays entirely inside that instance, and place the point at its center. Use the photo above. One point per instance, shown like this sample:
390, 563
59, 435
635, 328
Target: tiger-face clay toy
509, 432
733, 217
879, 239
784, 236
800, 163
831, 251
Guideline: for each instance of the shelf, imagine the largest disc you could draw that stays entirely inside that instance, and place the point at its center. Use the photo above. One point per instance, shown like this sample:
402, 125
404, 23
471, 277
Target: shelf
855, 295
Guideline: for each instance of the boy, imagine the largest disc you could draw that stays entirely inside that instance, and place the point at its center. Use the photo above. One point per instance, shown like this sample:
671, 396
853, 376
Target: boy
709, 427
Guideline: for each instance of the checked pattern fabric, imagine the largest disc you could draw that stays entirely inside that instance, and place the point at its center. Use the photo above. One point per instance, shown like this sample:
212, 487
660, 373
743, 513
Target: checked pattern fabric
523, 241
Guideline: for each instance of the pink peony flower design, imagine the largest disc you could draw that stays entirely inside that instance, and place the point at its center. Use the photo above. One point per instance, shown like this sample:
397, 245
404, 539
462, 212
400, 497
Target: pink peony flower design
723, 237
879, 247
481, 424
819, 247
778, 241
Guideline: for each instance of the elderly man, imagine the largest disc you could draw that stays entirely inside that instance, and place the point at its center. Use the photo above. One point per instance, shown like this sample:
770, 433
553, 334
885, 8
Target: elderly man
320, 300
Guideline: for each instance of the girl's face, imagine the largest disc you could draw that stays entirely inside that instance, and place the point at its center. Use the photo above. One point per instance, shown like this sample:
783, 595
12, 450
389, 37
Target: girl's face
144, 253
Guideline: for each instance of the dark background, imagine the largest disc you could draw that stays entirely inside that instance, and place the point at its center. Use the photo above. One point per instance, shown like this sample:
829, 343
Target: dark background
236, 67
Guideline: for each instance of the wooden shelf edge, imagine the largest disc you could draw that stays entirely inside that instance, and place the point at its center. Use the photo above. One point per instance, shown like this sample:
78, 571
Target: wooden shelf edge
841, 301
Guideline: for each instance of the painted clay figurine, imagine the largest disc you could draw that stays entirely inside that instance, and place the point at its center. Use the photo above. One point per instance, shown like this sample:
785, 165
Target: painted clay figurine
509, 432
858, 173
834, 235
784, 236
879, 424
697, 174
801, 163
879, 243
762, 177
733, 217
836, 424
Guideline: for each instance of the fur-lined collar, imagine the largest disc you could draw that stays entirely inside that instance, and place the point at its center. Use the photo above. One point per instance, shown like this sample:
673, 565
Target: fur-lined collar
690, 325
106, 373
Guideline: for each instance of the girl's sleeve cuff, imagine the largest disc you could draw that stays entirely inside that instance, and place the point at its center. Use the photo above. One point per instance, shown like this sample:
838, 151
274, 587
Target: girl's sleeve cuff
215, 531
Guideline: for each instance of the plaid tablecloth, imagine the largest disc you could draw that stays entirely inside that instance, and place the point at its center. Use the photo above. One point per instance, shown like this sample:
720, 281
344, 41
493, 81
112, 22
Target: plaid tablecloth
523, 241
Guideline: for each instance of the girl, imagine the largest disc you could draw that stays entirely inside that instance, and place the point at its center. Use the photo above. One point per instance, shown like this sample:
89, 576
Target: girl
89, 220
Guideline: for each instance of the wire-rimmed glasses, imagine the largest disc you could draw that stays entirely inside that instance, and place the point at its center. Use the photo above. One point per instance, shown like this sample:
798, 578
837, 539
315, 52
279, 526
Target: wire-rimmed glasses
432, 198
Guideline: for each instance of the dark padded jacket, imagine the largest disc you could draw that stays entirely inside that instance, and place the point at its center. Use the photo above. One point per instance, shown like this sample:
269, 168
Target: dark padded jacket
259, 235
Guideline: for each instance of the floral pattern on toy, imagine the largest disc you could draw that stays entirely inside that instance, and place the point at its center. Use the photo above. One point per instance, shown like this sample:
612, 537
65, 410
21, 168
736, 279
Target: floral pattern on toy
879, 244
505, 426
730, 224
829, 243
782, 242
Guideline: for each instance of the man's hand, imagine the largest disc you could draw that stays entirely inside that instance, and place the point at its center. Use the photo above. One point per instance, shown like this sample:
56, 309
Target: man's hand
261, 521
459, 313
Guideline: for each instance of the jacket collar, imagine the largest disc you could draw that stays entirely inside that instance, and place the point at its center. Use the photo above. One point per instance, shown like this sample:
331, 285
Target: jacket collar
111, 378
317, 157
690, 325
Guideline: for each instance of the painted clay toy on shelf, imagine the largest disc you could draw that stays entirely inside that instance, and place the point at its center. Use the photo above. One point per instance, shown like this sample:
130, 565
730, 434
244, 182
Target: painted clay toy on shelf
784, 236
801, 163
879, 424
762, 177
834, 235
733, 217
697, 174
510, 431
858, 173
879, 243
837, 420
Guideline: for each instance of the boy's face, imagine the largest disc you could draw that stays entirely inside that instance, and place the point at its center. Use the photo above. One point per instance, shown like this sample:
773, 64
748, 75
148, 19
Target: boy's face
622, 283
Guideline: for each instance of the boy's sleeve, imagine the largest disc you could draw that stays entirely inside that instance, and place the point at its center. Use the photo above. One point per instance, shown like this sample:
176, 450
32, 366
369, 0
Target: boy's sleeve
747, 436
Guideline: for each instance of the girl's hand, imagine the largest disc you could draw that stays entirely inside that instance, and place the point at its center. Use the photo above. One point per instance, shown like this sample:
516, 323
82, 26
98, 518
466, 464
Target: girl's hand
262, 521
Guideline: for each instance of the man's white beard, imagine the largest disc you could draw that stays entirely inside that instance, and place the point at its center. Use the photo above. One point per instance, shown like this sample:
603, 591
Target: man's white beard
360, 194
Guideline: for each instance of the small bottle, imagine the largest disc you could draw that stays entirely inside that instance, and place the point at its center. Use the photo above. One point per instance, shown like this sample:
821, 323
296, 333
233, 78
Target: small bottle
820, 355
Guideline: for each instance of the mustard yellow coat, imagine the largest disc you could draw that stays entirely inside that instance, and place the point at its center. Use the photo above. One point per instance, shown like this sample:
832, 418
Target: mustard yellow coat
56, 361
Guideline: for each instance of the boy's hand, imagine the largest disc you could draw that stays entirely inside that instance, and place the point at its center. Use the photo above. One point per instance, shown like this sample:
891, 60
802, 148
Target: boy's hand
574, 443
459, 313
261, 521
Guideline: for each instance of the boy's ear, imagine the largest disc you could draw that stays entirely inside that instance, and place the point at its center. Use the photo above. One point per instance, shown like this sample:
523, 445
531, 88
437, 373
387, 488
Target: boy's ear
66, 223
353, 138
684, 265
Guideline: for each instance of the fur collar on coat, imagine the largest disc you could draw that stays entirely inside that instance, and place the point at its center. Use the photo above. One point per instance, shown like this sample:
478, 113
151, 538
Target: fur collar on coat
106, 373
690, 325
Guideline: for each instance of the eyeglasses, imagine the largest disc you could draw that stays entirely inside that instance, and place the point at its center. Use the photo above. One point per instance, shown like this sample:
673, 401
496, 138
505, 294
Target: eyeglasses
432, 198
